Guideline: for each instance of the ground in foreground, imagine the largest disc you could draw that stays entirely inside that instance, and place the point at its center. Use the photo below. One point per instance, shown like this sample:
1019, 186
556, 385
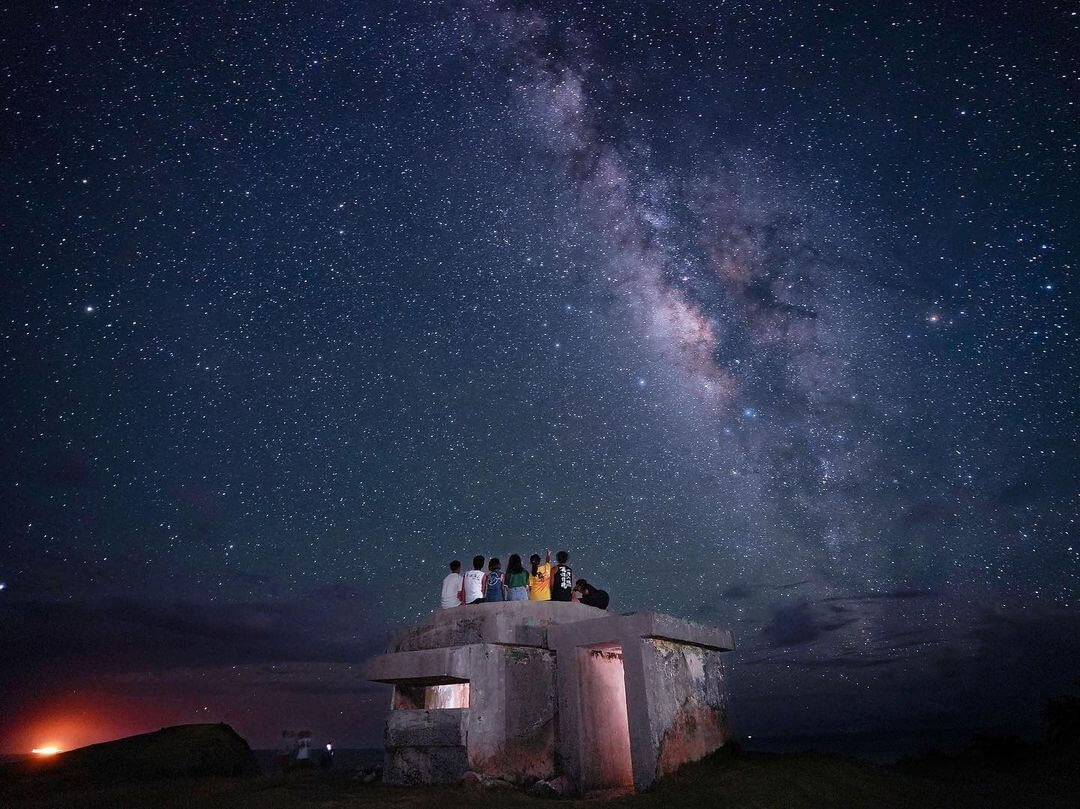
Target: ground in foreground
747, 780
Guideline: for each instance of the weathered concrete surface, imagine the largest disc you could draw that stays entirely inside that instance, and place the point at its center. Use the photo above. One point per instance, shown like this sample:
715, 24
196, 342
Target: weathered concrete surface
513, 623
675, 696
538, 690
427, 667
509, 724
688, 704
437, 728
613, 628
425, 765
425, 747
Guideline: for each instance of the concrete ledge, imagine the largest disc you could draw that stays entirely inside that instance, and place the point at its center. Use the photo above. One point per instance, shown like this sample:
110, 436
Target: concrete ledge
428, 667
656, 625
619, 628
510, 623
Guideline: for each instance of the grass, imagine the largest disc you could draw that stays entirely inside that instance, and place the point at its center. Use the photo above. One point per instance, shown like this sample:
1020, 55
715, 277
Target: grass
748, 781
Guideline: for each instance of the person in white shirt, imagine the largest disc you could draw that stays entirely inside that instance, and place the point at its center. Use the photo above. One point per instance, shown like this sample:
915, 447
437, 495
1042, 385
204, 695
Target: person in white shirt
451, 587
474, 582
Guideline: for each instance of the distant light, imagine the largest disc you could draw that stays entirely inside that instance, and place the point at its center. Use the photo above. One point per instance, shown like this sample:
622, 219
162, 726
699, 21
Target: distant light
3, 586
329, 747
89, 309
48, 750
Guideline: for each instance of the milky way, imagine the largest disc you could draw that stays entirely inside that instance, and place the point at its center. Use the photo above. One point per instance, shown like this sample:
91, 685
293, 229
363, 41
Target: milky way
765, 314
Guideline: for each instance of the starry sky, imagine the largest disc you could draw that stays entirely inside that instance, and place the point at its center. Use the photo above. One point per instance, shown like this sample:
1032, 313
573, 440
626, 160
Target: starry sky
765, 312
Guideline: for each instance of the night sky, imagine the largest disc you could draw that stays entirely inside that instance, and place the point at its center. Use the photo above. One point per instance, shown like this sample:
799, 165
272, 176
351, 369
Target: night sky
765, 312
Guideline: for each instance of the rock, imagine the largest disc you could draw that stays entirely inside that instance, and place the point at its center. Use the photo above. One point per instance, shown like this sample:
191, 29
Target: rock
476, 780
369, 774
559, 787
542, 789
173, 752
564, 786
490, 782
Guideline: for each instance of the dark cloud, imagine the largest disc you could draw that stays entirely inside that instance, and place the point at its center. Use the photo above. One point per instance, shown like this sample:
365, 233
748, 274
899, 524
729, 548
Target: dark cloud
739, 591
801, 623
828, 663
122, 634
901, 595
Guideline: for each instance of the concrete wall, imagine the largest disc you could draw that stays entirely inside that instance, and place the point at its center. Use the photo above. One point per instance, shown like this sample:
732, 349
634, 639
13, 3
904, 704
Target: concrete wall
512, 708
688, 703
508, 729
425, 747
604, 726
676, 698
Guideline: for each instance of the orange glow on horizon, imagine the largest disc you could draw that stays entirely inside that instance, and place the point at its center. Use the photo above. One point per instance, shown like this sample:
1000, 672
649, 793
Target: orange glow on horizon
61, 725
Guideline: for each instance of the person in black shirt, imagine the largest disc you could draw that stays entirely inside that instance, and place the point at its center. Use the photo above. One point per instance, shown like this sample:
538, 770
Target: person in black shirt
590, 596
562, 578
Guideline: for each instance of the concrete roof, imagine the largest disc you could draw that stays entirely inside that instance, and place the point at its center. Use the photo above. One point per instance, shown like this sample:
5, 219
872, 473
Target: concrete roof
512, 623
647, 624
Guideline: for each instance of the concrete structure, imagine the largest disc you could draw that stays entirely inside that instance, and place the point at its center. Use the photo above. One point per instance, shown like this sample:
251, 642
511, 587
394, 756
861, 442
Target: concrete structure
527, 690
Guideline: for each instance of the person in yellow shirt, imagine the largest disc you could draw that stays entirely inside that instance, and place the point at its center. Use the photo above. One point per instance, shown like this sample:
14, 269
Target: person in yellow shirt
540, 578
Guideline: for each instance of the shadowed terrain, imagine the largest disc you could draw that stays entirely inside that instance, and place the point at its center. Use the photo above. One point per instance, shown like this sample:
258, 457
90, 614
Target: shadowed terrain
1035, 777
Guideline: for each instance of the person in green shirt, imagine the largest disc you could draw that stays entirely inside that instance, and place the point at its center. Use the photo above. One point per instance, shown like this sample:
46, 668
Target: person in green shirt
517, 580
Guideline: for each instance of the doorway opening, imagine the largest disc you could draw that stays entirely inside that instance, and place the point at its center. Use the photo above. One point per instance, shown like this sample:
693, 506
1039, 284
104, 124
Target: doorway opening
606, 763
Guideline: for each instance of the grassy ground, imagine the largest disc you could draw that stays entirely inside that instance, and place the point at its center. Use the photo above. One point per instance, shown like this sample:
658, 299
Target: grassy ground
747, 781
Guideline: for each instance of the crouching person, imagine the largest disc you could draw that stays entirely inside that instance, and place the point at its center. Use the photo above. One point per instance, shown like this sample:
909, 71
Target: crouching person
590, 596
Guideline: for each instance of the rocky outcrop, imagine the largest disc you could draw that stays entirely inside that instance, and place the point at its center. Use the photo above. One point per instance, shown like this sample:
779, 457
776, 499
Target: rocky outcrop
173, 752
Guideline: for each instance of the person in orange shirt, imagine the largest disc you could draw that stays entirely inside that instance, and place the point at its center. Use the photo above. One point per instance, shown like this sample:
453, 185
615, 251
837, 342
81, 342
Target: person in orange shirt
540, 578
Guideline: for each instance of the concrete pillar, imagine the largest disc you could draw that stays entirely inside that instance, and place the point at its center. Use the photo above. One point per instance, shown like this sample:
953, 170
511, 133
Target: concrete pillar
569, 732
639, 677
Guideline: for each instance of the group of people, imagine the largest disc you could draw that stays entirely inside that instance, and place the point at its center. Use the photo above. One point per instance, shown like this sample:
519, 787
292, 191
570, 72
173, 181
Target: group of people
295, 751
541, 581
